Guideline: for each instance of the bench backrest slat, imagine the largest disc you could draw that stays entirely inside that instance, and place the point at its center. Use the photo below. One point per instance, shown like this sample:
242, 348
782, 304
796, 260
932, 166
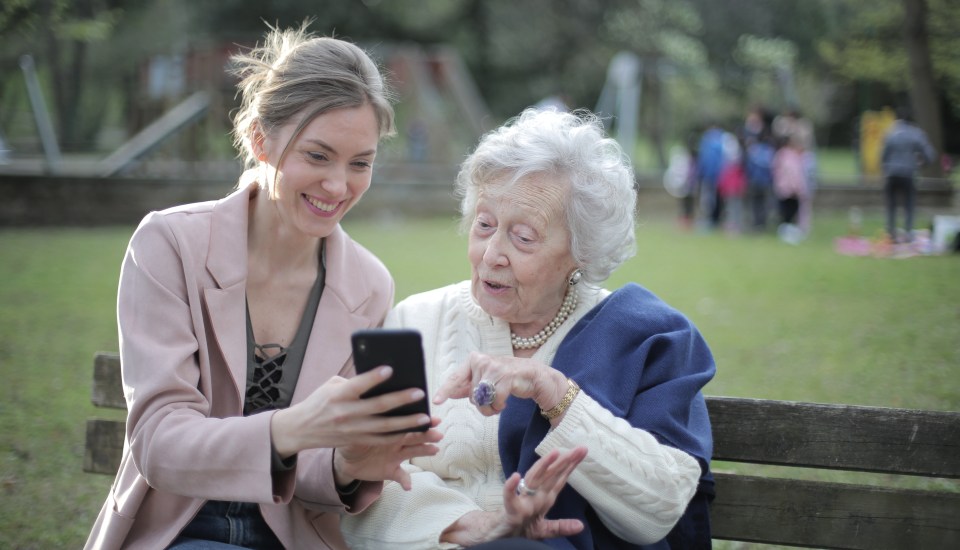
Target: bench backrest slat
104, 447
838, 437
821, 514
107, 386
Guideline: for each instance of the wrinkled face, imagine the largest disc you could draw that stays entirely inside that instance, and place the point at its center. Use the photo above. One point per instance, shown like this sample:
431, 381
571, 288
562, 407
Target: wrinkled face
326, 169
519, 248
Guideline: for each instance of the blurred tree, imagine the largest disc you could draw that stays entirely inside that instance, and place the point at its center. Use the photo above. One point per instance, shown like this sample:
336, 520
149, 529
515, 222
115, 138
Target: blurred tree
881, 41
702, 58
923, 85
664, 34
521, 52
773, 55
59, 33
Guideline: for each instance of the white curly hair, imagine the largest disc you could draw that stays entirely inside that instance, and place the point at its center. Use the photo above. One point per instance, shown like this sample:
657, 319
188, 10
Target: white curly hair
572, 149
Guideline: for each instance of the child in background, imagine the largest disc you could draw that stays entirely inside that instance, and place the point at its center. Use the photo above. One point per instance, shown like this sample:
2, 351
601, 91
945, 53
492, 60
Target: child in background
732, 186
790, 187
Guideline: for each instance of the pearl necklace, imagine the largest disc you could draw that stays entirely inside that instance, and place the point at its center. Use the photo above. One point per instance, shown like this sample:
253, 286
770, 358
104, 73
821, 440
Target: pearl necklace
538, 339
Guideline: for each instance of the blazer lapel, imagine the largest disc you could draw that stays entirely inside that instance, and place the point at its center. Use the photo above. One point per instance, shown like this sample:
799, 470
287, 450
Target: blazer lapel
345, 291
227, 264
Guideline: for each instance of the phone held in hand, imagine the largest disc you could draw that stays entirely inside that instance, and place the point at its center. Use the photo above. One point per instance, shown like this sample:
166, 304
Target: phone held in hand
401, 349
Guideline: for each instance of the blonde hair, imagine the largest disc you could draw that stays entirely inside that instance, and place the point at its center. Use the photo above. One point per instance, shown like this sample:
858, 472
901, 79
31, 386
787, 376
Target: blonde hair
295, 72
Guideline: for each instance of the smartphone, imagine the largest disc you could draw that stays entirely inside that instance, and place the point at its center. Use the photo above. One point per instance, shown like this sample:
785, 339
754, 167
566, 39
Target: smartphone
401, 349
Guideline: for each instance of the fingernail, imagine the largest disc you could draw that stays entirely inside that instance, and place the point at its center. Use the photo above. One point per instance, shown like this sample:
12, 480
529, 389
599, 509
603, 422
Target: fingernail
423, 420
417, 395
385, 372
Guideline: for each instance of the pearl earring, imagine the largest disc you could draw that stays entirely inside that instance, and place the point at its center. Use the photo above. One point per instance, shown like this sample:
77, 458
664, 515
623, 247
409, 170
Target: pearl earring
575, 277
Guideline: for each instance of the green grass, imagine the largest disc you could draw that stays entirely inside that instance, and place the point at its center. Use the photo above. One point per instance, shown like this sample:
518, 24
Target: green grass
57, 295
784, 322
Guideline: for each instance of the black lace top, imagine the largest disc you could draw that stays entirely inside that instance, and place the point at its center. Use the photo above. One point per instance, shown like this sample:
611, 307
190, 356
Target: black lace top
273, 370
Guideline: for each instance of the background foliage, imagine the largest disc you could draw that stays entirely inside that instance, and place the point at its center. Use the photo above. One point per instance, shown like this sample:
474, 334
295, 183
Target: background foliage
701, 58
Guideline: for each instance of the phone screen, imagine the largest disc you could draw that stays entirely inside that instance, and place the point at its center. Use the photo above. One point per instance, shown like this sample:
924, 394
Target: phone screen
401, 349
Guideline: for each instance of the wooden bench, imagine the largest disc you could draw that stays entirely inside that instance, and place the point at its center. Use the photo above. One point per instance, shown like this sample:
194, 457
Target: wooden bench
104, 444
762, 508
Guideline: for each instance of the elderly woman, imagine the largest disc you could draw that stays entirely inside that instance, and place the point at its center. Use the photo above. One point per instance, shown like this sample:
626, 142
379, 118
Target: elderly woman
536, 369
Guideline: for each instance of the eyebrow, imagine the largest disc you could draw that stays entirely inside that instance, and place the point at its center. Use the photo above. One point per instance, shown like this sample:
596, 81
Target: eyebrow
321, 143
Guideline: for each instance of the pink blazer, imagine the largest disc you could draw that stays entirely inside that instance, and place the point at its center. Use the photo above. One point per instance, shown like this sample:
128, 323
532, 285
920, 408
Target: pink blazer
181, 313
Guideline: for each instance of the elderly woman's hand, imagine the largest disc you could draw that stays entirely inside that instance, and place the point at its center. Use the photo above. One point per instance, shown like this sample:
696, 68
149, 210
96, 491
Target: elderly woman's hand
524, 508
506, 376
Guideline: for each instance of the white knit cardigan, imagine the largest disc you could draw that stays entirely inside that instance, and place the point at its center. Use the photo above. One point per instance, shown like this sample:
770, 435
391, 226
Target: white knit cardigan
638, 487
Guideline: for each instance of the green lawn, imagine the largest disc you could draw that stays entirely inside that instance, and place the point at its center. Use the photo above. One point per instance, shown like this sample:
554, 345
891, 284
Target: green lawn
784, 322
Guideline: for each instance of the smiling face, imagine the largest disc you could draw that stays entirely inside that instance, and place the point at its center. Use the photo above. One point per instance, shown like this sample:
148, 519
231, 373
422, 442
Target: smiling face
519, 248
325, 170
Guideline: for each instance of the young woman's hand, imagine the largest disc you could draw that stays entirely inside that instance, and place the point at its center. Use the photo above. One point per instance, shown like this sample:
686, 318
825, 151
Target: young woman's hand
335, 416
376, 462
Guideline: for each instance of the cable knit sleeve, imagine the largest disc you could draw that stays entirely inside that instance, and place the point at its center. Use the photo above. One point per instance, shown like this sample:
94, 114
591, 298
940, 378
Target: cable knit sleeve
638, 486
412, 519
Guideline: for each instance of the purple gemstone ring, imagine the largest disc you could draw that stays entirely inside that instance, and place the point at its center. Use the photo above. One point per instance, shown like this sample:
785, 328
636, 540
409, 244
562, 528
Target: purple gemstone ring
484, 393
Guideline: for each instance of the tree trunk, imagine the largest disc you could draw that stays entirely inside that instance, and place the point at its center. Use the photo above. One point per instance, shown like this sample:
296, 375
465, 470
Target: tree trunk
72, 95
653, 98
924, 96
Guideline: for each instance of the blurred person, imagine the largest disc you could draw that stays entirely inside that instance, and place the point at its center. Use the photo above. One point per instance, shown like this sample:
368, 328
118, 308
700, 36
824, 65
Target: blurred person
571, 414
792, 125
794, 128
688, 205
235, 318
732, 184
790, 187
680, 180
905, 149
755, 124
758, 168
710, 162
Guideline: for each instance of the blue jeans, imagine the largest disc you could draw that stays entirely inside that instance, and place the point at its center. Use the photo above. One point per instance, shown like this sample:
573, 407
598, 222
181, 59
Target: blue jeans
227, 526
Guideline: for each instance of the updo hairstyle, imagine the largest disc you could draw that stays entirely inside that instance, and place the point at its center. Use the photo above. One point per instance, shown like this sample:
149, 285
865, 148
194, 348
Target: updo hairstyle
295, 76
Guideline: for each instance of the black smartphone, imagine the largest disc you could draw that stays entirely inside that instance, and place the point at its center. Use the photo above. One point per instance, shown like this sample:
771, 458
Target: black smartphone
400, 349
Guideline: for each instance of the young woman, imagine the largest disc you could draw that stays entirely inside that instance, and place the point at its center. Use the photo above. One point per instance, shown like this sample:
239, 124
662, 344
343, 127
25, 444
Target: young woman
235, 319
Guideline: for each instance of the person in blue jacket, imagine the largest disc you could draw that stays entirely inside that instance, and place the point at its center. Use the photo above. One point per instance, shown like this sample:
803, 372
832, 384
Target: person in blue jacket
905, 150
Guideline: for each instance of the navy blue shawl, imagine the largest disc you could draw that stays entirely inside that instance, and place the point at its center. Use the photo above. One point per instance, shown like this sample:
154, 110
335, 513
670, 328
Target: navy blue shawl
645, 362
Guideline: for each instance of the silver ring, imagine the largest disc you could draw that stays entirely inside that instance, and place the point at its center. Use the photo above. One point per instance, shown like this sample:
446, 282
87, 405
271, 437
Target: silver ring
484, 393
523, 490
